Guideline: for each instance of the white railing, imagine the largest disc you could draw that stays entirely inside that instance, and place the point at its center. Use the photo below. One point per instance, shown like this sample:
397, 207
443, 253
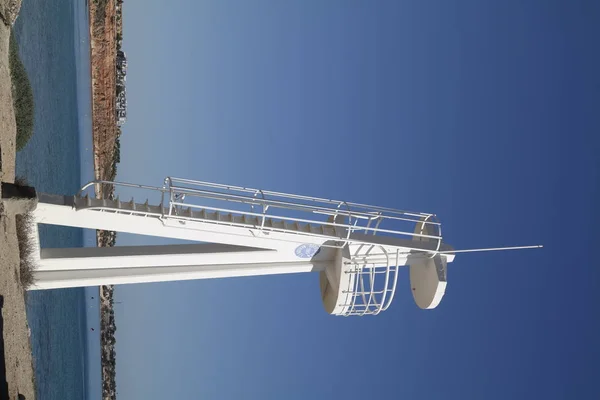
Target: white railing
344, 218
259, 210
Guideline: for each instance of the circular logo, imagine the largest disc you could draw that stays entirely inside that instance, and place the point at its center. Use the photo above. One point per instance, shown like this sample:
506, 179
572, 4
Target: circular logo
307, 250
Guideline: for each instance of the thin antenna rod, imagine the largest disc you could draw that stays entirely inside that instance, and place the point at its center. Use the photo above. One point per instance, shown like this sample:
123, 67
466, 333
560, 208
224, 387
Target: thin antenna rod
537, 246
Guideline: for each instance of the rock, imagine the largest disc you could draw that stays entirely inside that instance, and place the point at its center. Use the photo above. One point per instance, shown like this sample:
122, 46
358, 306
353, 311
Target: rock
18, 199
9, 10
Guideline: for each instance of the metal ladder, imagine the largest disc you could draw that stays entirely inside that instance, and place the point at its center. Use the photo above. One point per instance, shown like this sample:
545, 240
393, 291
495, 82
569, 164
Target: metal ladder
184, 200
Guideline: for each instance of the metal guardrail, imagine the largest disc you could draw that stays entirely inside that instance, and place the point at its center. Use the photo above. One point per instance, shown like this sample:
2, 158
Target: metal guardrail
344, 218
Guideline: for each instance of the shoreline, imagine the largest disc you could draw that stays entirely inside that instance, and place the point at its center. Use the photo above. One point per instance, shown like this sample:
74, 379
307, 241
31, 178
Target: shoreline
103, 59
16, 344
103, 70
18, 359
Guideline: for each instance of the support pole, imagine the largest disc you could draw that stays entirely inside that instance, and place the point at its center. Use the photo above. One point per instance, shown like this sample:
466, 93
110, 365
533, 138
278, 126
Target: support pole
57, 259
61, 212
120, 276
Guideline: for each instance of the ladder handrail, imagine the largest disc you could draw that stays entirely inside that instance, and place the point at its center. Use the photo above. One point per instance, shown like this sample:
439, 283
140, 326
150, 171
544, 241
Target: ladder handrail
334, 209
116, 183
253, 201
294, 196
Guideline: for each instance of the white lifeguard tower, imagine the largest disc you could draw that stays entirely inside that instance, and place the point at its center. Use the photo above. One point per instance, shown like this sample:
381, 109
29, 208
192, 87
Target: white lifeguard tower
356, 249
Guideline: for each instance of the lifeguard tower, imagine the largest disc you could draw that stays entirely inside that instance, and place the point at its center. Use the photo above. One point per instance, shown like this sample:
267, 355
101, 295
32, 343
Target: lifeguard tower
356, 249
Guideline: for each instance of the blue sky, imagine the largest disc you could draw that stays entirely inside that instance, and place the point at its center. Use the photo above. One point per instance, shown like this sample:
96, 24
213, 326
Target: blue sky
483, 112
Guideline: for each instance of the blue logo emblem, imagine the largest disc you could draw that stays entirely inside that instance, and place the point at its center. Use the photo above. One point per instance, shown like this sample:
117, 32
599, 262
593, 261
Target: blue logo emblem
307, 250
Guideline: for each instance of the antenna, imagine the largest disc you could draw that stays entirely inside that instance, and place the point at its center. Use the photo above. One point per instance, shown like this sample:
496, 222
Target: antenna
357, 249
537, 246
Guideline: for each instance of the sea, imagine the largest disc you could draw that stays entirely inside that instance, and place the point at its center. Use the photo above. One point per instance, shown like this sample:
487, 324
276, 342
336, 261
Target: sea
53, 39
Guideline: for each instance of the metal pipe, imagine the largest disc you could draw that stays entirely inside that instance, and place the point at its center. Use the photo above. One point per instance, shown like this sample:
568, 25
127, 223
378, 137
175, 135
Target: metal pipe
537, 246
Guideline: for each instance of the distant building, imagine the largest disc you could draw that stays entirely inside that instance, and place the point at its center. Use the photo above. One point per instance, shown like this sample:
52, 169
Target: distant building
121, 60
121, 100
121, 117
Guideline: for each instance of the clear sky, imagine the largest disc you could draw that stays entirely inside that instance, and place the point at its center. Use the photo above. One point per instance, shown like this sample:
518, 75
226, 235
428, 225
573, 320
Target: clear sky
484, 112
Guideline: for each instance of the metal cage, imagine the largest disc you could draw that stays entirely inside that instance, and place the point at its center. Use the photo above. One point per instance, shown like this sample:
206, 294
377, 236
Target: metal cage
270, 211
371, 285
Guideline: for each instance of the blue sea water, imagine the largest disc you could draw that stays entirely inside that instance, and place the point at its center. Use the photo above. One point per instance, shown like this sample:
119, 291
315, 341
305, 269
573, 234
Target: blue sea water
53, 38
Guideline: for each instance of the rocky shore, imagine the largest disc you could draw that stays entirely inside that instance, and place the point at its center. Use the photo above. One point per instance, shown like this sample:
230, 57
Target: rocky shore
104, 30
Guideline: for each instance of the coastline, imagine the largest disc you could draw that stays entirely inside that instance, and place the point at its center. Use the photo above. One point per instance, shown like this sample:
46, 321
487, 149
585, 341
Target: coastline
18, 360
103, 65
103, 52
16, 345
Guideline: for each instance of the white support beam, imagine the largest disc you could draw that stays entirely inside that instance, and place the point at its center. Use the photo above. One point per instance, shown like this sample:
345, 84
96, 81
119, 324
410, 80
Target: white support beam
95, 277
66, 215
57, 259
